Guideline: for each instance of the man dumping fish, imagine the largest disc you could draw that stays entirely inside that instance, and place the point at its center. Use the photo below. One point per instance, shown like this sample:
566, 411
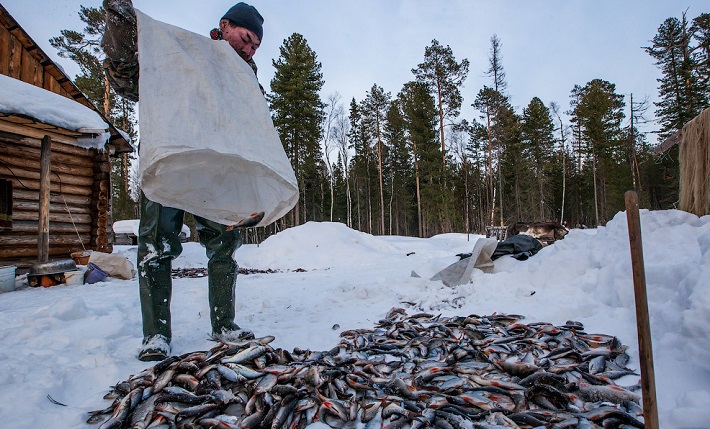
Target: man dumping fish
208, 147
408, 371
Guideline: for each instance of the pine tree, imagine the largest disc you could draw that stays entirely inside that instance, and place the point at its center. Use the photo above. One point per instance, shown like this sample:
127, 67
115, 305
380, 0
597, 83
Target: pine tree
598, 110
364, 162
84, 48
340, 201
374, 114
501, 109
700, 30
682, 53
460, 148
476, 150
297, 112
491, 105
495, 65
682, 91
513, 166
402, 199
444, 77
420, 113
581, 183
538, 140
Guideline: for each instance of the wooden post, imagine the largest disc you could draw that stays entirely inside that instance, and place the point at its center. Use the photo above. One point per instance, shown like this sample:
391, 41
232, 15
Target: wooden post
44, 187
648, 378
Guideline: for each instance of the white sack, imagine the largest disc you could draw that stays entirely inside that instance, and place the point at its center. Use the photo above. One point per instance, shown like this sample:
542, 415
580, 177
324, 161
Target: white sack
114, 265
208, 144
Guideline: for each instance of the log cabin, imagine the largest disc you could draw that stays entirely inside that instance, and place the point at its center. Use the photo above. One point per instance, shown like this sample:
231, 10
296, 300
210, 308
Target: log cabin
55, 149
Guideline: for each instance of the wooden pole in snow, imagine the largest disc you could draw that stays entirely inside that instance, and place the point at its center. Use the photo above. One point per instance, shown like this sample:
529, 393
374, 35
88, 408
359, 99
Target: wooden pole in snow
648, 378
44, 186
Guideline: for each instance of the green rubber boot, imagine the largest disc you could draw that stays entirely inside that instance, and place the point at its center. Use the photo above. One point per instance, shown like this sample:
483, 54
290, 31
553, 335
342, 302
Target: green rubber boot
158, 245
155, 292
221, 242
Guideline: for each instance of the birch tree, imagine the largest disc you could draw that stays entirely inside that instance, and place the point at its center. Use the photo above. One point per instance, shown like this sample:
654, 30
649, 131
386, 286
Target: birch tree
333, 110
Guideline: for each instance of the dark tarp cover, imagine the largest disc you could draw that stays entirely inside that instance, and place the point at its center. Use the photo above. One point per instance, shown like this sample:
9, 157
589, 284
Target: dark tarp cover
520, 246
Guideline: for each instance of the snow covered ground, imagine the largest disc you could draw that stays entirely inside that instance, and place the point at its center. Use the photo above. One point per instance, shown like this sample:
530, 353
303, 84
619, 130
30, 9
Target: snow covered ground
70, 343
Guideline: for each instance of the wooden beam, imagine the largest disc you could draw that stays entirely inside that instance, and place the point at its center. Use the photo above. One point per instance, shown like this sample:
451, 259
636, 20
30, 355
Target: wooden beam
71, 239
44, 189
15, 53
55, 229
56, 188
33, 206
4, 47
16, 252
59, 178
31, 195
53, 217
68, 149
25, 150
648, 377
10, 127
668, 143
10, 161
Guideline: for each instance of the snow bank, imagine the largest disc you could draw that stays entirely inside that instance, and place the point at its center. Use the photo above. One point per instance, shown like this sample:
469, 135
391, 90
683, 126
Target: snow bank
319, 245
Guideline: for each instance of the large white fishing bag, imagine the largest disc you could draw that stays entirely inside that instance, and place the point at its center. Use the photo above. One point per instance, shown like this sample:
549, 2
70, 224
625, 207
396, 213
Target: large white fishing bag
207, 141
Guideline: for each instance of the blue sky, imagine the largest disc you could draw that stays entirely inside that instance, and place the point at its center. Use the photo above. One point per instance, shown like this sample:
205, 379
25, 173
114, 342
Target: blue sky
547, 46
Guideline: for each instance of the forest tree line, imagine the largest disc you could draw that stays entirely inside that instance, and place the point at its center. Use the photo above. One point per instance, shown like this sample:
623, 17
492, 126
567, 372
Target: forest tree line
408, 163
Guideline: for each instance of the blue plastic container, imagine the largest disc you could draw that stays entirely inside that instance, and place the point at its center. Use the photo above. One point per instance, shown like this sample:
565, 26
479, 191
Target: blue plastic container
94, 274
7, 278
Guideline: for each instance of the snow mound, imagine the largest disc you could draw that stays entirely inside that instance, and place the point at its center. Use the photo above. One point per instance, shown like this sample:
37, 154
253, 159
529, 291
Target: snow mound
318, 245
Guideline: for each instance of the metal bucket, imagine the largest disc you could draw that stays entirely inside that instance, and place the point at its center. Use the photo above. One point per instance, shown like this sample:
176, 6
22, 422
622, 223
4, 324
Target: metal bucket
7, 278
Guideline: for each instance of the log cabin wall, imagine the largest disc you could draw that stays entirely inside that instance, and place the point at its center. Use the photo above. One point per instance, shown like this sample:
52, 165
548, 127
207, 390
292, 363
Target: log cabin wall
79, 188
102, 226
80, 195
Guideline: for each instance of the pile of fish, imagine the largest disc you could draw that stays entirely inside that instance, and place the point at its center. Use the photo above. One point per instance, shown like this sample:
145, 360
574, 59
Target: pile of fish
179, 273
410, 371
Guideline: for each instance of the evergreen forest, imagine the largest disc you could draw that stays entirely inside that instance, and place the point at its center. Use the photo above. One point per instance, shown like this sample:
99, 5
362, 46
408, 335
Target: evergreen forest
404, 161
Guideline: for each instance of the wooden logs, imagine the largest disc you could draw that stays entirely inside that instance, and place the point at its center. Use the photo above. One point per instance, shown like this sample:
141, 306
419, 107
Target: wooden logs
43, 223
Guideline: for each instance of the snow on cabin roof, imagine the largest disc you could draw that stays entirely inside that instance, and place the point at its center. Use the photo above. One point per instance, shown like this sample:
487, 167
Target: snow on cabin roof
18, 97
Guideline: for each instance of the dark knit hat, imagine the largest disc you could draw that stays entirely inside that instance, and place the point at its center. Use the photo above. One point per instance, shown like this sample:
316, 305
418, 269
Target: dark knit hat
246, 15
